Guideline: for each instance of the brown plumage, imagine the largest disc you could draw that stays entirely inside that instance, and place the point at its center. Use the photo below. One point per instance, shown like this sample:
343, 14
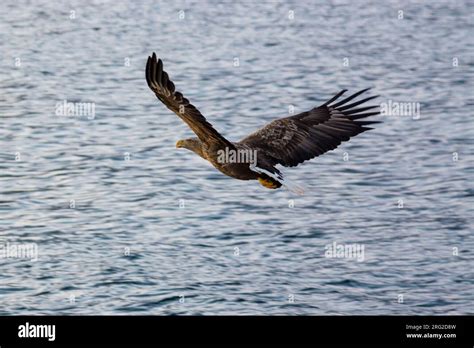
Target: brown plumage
286, 141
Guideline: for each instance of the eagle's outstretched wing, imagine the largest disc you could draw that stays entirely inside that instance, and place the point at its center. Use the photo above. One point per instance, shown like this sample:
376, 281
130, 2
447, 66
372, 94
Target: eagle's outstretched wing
292, 140
163, 87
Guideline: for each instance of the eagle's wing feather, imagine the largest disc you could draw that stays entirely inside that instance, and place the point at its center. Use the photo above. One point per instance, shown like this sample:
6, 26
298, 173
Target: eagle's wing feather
292, 140
159, 82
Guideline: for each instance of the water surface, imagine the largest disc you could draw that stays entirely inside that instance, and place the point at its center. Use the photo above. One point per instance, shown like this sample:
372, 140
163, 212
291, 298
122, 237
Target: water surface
127, 224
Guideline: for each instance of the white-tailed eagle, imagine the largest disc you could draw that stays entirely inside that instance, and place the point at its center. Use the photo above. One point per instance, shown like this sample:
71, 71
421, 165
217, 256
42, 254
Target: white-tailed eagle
287, 141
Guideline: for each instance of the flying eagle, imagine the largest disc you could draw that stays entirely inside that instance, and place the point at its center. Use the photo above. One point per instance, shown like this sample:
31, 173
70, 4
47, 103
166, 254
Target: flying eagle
286, 141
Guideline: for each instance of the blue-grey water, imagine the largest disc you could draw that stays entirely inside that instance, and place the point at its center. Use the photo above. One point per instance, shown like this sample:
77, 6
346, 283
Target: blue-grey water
125, 223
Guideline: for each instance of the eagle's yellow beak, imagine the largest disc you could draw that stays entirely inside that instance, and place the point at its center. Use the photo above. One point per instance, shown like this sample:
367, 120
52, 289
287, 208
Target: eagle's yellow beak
179, 143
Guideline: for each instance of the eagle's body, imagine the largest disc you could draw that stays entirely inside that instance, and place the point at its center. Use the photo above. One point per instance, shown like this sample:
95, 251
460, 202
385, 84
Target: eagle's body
241, 171
286, 141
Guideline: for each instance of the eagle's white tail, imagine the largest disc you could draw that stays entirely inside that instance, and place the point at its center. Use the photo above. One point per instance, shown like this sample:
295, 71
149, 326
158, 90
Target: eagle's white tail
291, 186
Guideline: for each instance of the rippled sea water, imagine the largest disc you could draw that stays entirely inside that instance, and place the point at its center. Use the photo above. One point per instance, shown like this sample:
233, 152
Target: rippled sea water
125, 223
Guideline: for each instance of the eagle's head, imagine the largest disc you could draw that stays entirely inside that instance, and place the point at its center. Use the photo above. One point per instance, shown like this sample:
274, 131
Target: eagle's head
193, 144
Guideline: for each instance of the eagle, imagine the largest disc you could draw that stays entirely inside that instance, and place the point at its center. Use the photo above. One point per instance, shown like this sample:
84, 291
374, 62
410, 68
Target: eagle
286, 141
